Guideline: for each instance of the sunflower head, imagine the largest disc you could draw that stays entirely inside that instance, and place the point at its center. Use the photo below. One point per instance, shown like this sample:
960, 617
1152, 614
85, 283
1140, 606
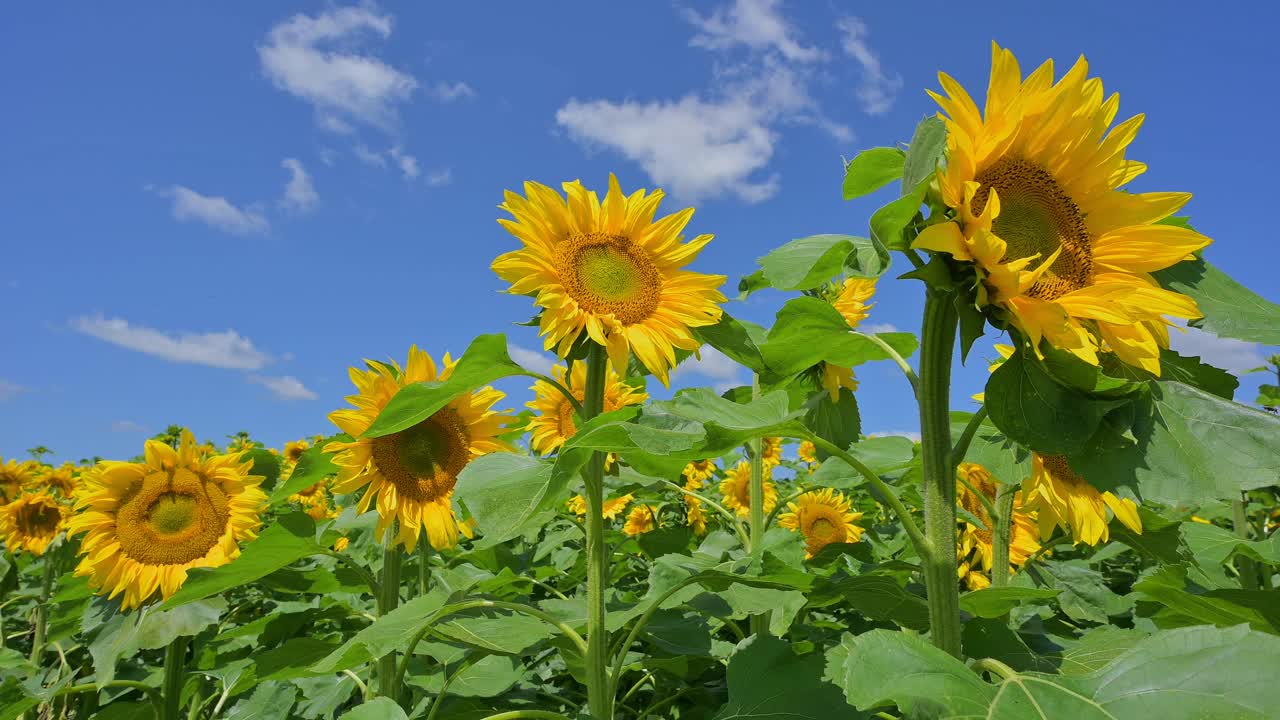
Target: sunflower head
147, 523
554, 422
736, 488
14, 478
853, 300
975, 542
1061, 498
808, 453
293, 450
641, 519
609, 270
771, 452
61, 480
611, 509
409, 476
695, 515
1035, 184
32, 522
824, 517
697, 473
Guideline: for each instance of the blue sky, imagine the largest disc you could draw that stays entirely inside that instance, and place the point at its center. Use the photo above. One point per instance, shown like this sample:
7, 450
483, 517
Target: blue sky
210, 211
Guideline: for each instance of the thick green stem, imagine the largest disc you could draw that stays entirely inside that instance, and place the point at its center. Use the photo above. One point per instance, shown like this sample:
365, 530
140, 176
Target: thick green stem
424, 567
937, 346
388, 599
175, 662
759, 622
599, 697
41, 613
1003, 533
1247, 568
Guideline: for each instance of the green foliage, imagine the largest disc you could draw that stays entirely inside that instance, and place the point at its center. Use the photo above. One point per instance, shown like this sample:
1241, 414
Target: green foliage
871, 170
811, 262
1230, 309
768, 680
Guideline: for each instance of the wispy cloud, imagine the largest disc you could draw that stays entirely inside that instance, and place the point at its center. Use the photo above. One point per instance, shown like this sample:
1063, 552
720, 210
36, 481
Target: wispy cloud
879, 88
714, 365
448, 92
440, 177
127, 426
215, 211
284, 387
318, 59
300, 194
369, 157
719, 142
10, 390
535, 360
1234, 356
408, 163
757, 24
874, 328
227, 349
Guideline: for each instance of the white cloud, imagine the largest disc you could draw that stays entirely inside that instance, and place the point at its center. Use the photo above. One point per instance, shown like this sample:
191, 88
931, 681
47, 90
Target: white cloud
9, 390
535, 360
1235, 356
448, 92
878, 88
714, 366
440, 177
408, 163
216, 212
369, 157
756, 24
227, 349
873, 328
300, 194
127, 426
285, 387
334, 124
317, 59
328, 156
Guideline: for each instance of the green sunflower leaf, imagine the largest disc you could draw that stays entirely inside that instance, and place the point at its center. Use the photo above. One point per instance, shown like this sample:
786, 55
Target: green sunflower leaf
767, 681
314, 465
812, 262
506, 493
740, 340
1230, 309
871, 170
928, 146
485, 361
809, 331
889, 224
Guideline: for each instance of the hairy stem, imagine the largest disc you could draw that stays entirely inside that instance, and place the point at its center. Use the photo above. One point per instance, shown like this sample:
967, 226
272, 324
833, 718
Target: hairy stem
1002, 535
599, 697
1247, 568
175, 661
41, 612
388, 599
937, 346
759, 622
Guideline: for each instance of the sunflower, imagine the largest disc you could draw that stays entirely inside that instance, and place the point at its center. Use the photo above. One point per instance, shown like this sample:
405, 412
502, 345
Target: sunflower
642, 519
808, 453
610, 270
698, 472
975, 546
31, 522
147, 523
611, 509
695, 515
554, 420
823, 517
1064, 499
835, 377
293, 450
1055, 242
852, 303
736, 489
771, 452
61, 479
410, 475
14, 478
341, 544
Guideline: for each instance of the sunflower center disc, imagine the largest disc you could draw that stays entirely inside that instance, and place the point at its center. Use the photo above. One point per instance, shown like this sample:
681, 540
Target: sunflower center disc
172, 513
1037, 217
608, 275
822, 529
1061, 471
423, 461
567, 425
38, 520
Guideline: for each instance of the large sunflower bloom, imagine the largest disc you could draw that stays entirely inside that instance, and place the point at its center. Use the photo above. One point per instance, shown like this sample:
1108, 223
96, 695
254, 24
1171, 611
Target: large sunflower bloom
31, 522
1036, 186
409, 476
554, 420
736, 488
824, 517
609, 269
147, 523
1064, 499
975, 550
14, 478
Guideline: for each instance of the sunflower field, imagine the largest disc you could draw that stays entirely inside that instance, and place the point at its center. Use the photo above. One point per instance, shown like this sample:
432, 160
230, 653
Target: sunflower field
1095, 536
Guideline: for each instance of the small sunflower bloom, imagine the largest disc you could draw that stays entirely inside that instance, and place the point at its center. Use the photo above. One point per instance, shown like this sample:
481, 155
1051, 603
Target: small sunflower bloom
14, 478
608, 269
736, 488
824, 517
697, 473
1063, 499
554, 421
32, 522
642, 519
409, 476
146, 524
